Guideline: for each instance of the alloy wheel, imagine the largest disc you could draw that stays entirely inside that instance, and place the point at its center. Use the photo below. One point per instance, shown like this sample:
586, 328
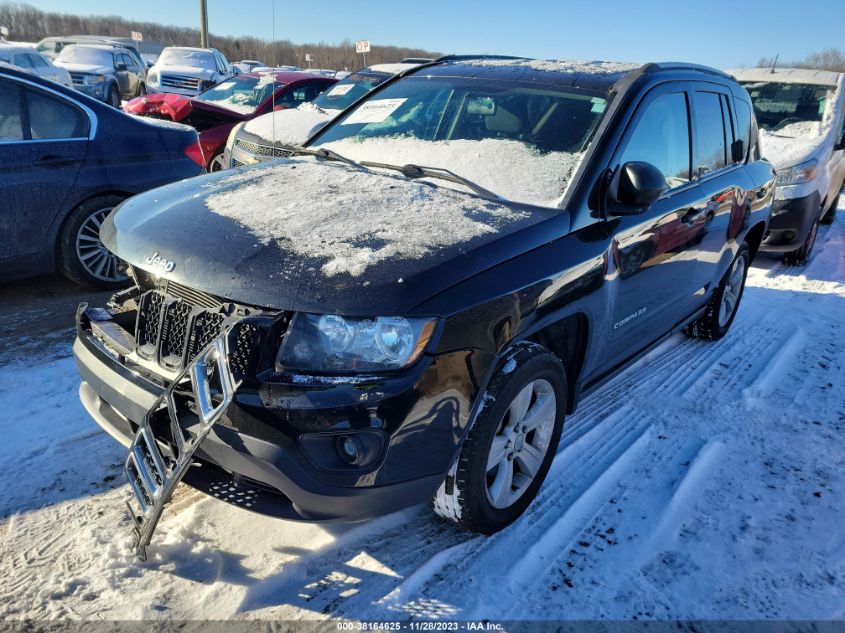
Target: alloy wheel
732, 291
521, 443
93, 256
216, 163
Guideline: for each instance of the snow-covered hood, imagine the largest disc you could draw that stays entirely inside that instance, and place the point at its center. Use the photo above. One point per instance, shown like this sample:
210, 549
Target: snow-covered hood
188, 71
793, 144
303, 234
91, 69
289, 127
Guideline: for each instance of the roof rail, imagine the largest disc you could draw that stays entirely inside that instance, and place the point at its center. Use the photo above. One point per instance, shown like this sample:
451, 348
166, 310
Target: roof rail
655, 67
461, 58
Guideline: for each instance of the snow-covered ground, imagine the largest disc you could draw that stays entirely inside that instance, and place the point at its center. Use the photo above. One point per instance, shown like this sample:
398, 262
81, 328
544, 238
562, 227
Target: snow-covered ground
706, 482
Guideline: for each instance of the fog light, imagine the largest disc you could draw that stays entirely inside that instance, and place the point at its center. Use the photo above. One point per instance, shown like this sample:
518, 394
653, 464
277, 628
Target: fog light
788, 235
348, 449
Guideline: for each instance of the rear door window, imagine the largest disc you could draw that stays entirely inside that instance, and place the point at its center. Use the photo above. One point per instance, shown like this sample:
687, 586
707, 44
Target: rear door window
743, 123
661, 137
51, 118
11, 112
709, 144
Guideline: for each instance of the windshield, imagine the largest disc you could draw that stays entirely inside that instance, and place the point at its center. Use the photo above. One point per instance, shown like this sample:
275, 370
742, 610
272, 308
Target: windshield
519, 140
346, 92
181, 57
86, 55
789, 109
241, 93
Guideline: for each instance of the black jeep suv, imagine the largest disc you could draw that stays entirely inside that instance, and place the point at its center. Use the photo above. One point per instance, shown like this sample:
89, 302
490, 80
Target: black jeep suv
407, 308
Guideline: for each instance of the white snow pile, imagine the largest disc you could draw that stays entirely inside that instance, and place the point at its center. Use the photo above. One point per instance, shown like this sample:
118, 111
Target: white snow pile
288, 127
350, 218
173, 125
792, 142
511, 169
561, 66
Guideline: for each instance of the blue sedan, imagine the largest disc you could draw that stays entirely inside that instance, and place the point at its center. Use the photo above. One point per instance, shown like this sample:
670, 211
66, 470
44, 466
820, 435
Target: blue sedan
66, 160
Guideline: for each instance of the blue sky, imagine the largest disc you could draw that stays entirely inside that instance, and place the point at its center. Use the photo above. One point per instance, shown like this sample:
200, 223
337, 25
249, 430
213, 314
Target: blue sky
721, 33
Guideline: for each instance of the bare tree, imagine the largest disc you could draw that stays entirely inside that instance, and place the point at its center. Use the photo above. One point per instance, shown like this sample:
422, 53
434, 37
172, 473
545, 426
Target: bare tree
26, 23
828, 59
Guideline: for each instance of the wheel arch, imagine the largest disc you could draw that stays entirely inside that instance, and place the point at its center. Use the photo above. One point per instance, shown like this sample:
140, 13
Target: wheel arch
754, 237
57, 236
567, 339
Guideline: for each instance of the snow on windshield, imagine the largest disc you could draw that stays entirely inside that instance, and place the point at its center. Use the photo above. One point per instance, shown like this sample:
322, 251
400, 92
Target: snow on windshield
511, 169
180, 57
288, 127
242, 94
86, 55
353, 219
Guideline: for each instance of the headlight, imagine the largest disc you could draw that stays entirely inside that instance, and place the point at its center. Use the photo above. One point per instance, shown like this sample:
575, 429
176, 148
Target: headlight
152, 78
93, 80
333, 343
804, 172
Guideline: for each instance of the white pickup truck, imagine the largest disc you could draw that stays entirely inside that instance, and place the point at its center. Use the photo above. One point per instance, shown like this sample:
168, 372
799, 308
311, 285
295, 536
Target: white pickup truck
801, 115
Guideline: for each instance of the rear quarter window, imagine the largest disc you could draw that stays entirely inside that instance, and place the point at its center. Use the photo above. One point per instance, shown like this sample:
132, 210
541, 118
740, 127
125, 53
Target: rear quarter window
743, 123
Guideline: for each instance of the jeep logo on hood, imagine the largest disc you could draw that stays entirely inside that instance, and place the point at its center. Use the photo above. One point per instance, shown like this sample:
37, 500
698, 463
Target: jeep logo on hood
157, 261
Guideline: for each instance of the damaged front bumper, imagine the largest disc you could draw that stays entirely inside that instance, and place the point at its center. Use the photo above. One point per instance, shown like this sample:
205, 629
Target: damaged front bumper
268, 451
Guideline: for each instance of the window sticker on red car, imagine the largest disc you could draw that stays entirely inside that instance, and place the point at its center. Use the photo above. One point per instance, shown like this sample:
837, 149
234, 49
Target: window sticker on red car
341, 89
374, 111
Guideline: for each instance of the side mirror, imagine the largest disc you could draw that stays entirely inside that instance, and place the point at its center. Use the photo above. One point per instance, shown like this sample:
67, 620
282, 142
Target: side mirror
635, 186
120, 66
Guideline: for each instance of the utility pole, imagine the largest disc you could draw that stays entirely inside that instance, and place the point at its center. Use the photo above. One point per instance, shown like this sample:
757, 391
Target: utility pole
203, 24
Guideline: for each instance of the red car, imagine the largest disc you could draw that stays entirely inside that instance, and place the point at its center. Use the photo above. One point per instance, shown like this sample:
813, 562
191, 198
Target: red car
217, 110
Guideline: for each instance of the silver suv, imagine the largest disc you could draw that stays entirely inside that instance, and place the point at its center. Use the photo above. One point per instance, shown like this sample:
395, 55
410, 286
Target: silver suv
103, 72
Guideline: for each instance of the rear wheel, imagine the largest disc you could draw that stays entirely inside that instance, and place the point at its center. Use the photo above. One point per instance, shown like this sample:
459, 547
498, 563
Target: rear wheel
723, 305
511, 445
800, 256
82, 256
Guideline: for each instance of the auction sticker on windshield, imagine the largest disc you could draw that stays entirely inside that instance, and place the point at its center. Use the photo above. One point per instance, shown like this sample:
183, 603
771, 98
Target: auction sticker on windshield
374, 111
339, 90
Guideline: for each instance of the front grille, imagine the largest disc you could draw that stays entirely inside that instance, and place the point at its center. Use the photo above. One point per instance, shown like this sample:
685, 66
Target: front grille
180, 81
77, 78
262, 150
174, 325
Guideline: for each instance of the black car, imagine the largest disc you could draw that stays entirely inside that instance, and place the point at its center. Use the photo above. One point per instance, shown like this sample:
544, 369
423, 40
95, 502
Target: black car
408, 308
66, 161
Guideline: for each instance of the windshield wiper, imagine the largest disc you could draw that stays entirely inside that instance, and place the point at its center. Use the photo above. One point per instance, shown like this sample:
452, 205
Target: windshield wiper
328, 154
418, 171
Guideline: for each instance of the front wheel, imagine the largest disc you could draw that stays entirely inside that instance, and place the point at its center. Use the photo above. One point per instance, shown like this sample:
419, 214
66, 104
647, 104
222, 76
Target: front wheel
828, 216
801, 256
511, 445
142, 90
723, 305
82, 256
113, 97
216, 163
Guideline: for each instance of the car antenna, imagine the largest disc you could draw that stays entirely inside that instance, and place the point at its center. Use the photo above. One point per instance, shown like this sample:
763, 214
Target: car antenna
275, 65
774, 63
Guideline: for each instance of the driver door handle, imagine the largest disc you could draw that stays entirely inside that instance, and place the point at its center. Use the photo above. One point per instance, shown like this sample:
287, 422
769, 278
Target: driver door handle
55, 160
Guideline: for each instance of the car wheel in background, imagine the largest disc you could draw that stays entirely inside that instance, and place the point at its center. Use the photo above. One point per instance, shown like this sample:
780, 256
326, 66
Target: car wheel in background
799, 256
723, 305
113, 97
142, 90
82, 256
828, 216
216, 163
508, 450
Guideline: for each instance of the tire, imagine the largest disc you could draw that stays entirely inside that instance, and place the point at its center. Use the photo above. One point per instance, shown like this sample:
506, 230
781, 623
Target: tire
830, 214
801, 256
216, 163
483, 499
142, 90
82, 258
724, 304
113, 96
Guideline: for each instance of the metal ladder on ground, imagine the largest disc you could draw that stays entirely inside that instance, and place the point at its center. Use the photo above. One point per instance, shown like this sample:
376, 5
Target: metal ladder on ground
152, 476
